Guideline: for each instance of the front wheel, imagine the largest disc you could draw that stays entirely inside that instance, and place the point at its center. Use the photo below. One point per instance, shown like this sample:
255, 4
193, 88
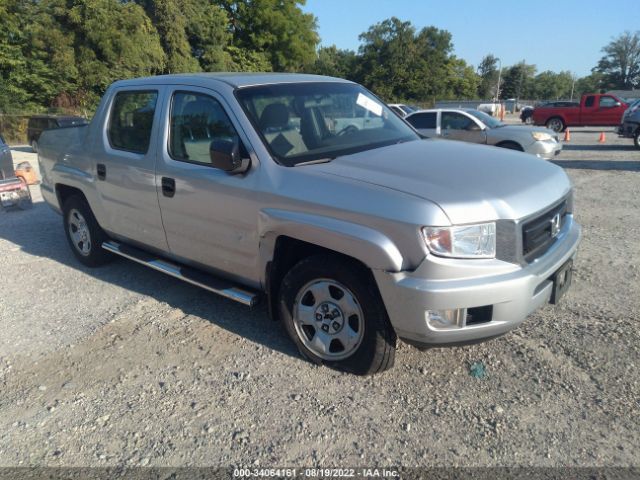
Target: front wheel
333, 312
83, 232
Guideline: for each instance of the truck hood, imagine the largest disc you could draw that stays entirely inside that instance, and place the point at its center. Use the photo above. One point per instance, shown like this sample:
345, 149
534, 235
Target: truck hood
471, 183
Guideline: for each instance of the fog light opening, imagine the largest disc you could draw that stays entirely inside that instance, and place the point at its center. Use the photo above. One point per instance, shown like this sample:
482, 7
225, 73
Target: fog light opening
446, 318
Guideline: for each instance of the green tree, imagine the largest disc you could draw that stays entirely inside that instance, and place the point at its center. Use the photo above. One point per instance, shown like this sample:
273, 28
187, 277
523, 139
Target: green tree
335, 62
590, 84
549, 85
169, 19
400, 64
462, 80
207, 29
488, 73
518, 81
621, 63
277, 29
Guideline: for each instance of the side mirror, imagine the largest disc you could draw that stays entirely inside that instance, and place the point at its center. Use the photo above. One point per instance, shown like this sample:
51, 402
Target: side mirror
226, 155
618, 104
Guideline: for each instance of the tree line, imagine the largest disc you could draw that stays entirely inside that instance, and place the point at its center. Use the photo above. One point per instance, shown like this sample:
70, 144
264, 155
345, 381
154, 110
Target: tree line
64, 53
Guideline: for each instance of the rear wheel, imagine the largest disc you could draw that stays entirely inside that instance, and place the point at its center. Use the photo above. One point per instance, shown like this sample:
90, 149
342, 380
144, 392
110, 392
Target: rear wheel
556, 124
83, 232
333, 312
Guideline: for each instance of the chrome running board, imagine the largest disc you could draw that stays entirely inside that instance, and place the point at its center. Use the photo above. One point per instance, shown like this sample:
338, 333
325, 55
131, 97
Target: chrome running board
182, 272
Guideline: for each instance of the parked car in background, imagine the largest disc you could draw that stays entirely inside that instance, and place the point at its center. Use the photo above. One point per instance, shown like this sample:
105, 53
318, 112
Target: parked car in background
39, 123
526, 114
402, 109
593, 109
352, 238
13, 190
473, 126
630, 124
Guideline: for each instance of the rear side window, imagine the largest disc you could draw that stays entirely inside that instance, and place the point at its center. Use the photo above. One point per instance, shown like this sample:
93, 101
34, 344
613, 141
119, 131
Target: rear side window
423, 120
131, 120
455, 121
590, 101
607, 102
196, 121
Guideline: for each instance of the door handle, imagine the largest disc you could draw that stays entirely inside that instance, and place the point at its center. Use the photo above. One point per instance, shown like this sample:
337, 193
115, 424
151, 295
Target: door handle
168, 186
102, 171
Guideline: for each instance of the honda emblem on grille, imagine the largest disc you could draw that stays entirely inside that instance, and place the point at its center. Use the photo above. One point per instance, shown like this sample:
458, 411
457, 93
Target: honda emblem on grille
555, 225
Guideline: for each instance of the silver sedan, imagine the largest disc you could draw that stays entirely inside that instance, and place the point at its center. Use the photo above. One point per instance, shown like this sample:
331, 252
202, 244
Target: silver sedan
473, 126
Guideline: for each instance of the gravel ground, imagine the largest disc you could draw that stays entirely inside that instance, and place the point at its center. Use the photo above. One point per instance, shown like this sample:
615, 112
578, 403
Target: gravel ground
124, 366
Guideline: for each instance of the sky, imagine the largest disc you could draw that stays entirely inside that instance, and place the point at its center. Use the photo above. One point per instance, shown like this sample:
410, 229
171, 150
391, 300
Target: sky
553, 35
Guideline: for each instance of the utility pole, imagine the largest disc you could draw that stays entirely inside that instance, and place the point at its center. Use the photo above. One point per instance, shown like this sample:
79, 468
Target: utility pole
497, 98
573, 84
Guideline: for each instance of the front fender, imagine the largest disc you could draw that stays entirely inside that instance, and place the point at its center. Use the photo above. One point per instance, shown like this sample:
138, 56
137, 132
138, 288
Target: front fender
372, 248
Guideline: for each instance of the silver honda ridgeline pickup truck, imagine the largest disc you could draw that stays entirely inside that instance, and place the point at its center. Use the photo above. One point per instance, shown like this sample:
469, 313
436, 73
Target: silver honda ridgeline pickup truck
355, 232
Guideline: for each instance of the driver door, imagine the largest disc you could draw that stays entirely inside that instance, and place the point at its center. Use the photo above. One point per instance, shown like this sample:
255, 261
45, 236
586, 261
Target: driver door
209, 215
457, 126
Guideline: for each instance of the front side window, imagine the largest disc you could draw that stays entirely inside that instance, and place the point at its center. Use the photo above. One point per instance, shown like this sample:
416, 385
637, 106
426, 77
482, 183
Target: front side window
455, 121
131, 120
320, 121
607, 102
196, 121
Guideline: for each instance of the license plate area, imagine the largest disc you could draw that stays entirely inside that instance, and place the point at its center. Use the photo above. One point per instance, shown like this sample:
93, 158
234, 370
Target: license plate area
561, 282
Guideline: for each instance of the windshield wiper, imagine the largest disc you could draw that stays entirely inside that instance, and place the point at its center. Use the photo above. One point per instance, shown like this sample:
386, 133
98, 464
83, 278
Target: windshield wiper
314, 162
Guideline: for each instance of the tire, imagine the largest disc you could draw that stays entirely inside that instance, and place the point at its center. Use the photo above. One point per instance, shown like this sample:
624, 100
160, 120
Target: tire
556, 124
34, 146
510, 146
636, 138
528, 121
346, 326
83, 233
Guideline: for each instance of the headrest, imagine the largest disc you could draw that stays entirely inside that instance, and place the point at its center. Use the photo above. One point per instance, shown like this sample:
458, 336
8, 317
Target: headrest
275, 115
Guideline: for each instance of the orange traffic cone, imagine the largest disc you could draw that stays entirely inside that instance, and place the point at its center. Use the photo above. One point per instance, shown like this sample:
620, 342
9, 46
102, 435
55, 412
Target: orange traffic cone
602, 138
567, 135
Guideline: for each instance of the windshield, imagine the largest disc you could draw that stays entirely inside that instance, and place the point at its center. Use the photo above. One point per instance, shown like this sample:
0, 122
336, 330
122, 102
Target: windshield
319, 121
488, 120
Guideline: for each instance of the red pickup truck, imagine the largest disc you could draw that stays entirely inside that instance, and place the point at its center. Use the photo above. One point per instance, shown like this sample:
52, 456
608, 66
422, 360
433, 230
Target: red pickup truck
594, 109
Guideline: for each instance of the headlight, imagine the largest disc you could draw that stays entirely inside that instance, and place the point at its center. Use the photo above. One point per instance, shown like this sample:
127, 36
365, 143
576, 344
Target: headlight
464, 241
541, 136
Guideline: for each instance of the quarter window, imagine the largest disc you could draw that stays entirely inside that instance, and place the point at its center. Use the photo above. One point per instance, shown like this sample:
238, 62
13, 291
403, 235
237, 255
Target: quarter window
590, 101
131, 121
196, 121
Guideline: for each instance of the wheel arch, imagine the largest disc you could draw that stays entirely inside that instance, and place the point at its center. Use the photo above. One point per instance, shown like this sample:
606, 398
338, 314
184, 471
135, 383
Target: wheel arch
288, 237
505, 143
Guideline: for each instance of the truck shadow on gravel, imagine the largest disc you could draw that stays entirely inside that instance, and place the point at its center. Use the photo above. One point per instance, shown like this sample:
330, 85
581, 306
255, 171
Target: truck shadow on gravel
601, 148
39, 232
619, 165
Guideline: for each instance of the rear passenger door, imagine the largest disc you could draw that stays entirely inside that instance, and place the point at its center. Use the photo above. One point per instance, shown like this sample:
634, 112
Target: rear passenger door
209, 215
125, 165
425, 123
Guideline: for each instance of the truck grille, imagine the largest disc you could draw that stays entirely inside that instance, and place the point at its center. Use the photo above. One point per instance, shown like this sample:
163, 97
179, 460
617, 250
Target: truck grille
540, 233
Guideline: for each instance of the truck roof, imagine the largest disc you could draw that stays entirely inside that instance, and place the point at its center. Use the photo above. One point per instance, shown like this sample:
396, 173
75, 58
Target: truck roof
237, 80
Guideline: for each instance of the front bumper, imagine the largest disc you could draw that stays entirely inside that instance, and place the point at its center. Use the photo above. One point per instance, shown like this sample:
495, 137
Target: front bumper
513, 291
544, 149
628, 129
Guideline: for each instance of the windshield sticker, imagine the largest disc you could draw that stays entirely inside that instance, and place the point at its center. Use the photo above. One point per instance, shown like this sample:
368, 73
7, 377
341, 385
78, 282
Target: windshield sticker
372, 106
